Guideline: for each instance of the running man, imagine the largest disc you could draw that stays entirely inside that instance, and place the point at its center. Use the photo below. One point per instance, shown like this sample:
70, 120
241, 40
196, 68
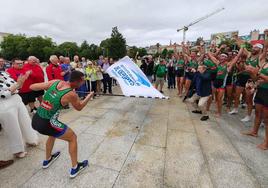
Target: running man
45, 121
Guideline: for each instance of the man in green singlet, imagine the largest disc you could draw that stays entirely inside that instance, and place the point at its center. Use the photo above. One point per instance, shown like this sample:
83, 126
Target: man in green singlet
45, 121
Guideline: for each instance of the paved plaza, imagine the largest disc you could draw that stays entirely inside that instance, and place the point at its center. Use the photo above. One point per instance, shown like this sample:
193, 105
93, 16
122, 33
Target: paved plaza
132, 142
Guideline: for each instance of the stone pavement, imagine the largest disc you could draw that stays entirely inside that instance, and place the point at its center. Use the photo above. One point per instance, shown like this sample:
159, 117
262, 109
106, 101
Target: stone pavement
143, 143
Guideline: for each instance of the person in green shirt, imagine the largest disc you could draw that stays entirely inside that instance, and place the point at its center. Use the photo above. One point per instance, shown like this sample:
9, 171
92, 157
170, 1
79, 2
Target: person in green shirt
179, 71
59, 94
260, 75
223, 67
160, 71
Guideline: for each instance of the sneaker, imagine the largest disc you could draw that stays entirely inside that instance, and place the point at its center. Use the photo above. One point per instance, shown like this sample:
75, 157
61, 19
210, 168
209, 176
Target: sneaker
246, 119
54, 157
197, 112
80, 167
234, 111
204, 118
161, 91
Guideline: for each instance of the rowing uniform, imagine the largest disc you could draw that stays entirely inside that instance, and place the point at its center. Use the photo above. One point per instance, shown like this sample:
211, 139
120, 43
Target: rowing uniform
45, 121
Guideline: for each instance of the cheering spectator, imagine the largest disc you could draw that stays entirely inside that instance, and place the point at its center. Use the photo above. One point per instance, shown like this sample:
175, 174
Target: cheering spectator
171, 73
27, 95
66, 67
75, 62
160, 72
107, 81
37, 75
54, 71
99, 80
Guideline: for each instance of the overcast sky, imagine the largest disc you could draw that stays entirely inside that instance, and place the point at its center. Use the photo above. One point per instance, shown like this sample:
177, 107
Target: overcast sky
142, 22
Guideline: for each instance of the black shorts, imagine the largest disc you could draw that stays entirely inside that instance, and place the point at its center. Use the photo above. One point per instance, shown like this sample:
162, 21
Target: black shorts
229, 80
219, 83
213, 76
261, 97
242, 79
39, 93
189, 76
28, 97
50, 127
180, 73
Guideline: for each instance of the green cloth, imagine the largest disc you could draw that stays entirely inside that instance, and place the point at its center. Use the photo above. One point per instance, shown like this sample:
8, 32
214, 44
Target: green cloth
211, 67
51, 102
160, 70
221, 72
264, 71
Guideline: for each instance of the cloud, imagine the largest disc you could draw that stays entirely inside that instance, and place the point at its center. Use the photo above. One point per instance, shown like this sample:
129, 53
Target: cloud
141, 22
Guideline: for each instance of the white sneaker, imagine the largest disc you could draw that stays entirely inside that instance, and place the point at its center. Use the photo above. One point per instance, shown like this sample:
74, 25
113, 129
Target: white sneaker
246, 119
234, 111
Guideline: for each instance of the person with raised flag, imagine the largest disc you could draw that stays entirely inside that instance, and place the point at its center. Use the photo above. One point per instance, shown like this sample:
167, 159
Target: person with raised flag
59, 94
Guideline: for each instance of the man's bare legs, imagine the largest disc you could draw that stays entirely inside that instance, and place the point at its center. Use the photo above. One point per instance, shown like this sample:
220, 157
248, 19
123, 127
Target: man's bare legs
258, 117
219, 96
264, 145
71, 138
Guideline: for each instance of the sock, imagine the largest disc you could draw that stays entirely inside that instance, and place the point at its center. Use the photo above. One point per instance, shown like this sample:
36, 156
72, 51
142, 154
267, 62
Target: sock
74, 167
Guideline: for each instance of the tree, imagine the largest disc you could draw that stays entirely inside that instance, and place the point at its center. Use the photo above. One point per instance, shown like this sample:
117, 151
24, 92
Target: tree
15, 46
170, 53
116, 45
164, 53
68, 49
40, 47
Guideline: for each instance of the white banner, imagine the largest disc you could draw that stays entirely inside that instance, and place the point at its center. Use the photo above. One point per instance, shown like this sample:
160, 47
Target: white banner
132, 80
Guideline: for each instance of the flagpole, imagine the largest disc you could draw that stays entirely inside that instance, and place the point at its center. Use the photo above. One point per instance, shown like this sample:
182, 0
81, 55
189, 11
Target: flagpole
120, 95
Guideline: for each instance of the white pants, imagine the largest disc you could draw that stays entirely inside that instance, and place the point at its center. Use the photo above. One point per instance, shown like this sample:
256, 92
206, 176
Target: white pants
201, 104
16, 123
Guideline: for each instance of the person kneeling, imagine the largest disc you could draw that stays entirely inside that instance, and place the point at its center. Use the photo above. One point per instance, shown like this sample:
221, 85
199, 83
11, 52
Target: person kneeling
202, 83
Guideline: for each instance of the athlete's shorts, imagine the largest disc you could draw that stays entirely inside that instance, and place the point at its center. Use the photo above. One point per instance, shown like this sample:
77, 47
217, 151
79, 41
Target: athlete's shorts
50, 127
262, 97
229, 80
242, 80
213, 76
28, 97
189, 76
180, 73
219, 84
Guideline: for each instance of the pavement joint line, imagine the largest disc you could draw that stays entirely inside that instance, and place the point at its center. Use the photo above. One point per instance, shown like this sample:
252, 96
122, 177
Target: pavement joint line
206, 163
165, 149
142, 124
242, 158
102, 167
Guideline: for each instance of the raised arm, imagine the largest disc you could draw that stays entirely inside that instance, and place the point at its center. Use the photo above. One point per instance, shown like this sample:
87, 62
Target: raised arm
41, 86
234, 60
213, 59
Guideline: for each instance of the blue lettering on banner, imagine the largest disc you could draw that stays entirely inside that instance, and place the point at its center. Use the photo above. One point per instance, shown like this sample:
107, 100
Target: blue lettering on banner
128, 77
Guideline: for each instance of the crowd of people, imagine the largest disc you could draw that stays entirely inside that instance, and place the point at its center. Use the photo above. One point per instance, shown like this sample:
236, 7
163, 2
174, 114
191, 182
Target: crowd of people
201, 75
16, 93
221, 74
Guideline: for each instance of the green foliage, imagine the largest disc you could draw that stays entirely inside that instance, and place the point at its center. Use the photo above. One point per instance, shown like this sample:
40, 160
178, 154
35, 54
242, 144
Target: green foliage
133, 51
22, 47
164, 53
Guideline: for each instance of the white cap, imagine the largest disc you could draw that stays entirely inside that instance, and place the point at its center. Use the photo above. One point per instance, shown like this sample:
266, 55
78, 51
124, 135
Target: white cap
258, 45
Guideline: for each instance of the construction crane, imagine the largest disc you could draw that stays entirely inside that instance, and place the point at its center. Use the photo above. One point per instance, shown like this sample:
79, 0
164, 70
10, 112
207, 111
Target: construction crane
185, 28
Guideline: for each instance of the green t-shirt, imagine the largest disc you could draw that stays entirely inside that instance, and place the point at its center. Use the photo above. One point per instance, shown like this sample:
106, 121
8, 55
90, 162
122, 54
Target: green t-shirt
180, 64
252, 62
51, 102
264, 71
160, 70
212, 67
221, 72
